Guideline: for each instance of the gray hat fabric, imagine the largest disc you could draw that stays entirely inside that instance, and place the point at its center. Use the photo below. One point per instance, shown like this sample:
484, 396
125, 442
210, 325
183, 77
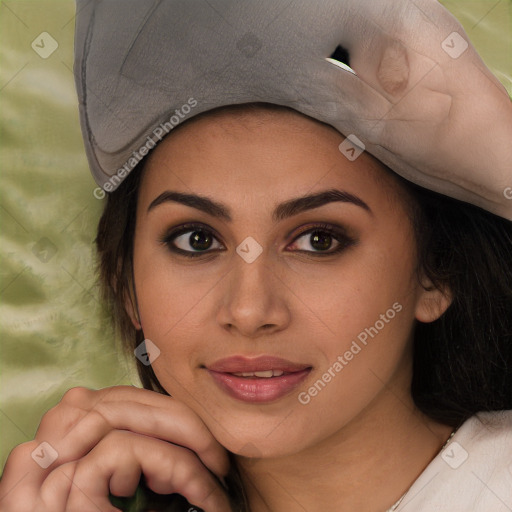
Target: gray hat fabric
398, 78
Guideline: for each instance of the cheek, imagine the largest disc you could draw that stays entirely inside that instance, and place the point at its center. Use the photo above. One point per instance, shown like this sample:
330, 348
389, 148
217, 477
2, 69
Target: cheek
351, 295
170, 292
370, 311
168, 301
173, 310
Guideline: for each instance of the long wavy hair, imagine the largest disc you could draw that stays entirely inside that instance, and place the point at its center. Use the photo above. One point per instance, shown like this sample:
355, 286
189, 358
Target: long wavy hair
462, 362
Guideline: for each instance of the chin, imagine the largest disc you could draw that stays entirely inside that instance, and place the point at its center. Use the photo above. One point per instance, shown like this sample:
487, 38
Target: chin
254, 442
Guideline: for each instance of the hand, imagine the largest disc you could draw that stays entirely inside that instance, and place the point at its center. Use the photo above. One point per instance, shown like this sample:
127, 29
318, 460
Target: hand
103, 441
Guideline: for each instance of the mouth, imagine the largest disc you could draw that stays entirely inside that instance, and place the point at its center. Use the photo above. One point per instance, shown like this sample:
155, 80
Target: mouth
264, 374
263, 379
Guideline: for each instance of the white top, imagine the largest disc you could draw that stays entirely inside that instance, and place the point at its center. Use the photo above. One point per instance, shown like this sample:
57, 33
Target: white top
473, 473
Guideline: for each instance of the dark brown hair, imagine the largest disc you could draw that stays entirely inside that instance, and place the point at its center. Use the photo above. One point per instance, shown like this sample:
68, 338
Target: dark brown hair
462, 361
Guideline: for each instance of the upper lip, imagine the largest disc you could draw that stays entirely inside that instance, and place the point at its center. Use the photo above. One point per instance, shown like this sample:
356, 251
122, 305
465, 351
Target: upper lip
236, 364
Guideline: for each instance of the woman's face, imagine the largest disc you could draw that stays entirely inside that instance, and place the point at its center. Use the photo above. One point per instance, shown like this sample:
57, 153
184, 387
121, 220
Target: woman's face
336, 306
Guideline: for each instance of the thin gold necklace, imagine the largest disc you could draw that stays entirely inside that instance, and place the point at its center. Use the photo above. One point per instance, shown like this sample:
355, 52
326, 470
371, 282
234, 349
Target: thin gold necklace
395, 506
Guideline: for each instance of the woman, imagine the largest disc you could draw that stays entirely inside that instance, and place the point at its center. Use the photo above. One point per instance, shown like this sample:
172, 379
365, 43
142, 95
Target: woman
330, 352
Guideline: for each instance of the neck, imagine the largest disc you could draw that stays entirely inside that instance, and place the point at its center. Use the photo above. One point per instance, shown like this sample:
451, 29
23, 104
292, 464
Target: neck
366, 466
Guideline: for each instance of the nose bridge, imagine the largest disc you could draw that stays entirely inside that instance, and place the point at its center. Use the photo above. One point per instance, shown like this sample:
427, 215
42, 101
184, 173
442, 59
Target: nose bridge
251, 278
253, 297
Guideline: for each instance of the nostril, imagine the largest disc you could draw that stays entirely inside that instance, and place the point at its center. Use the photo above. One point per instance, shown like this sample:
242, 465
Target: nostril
341, 58
341, 55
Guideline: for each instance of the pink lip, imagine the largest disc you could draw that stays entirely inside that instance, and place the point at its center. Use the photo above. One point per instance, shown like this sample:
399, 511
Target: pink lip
257, 390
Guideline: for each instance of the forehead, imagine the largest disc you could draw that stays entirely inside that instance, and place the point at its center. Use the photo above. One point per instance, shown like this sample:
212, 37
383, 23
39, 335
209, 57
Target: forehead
258, 152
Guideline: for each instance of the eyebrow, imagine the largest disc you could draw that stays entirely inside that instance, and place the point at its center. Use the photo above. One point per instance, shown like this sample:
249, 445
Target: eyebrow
282, 211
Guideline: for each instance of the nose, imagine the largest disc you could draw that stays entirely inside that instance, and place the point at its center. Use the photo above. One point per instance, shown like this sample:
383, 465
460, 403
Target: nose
255, 299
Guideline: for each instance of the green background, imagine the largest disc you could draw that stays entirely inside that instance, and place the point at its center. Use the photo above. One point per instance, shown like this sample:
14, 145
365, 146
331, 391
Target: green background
53, 333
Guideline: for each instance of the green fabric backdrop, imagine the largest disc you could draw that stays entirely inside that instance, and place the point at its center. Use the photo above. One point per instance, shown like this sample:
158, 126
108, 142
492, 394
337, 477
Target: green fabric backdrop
53, 334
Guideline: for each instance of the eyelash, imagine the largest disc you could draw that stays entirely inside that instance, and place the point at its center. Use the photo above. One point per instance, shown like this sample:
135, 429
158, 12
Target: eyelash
339, 235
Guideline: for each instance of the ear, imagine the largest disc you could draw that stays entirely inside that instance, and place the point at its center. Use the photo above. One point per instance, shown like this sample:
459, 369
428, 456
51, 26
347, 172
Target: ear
432, 302
131, 308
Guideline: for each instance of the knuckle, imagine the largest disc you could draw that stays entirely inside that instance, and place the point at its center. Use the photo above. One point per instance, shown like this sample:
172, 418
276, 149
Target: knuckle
168, 463
176, 465
77, 396
22, 452
201, 488
188, 467
62, 416
50, 417
206, 441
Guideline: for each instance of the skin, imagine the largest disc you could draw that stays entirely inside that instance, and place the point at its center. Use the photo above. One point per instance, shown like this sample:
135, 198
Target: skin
104, 440
360, 443
303, 308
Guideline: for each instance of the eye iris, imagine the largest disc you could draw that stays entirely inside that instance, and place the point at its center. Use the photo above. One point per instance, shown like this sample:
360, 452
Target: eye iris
321, 240
200, 240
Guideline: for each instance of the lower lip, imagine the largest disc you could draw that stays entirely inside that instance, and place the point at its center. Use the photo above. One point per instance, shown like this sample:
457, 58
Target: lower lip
258, 390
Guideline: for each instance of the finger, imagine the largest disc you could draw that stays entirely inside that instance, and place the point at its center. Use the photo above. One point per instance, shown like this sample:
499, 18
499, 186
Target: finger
27, 497
127, 408
61, 484
21, 476
174, 422
116, 464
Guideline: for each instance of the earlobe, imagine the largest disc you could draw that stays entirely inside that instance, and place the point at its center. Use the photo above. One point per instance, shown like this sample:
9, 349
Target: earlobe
432, 302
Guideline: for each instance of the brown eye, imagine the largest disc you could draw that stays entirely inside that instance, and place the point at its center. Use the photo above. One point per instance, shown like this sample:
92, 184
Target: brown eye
190, 240
198, 240
321, 238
